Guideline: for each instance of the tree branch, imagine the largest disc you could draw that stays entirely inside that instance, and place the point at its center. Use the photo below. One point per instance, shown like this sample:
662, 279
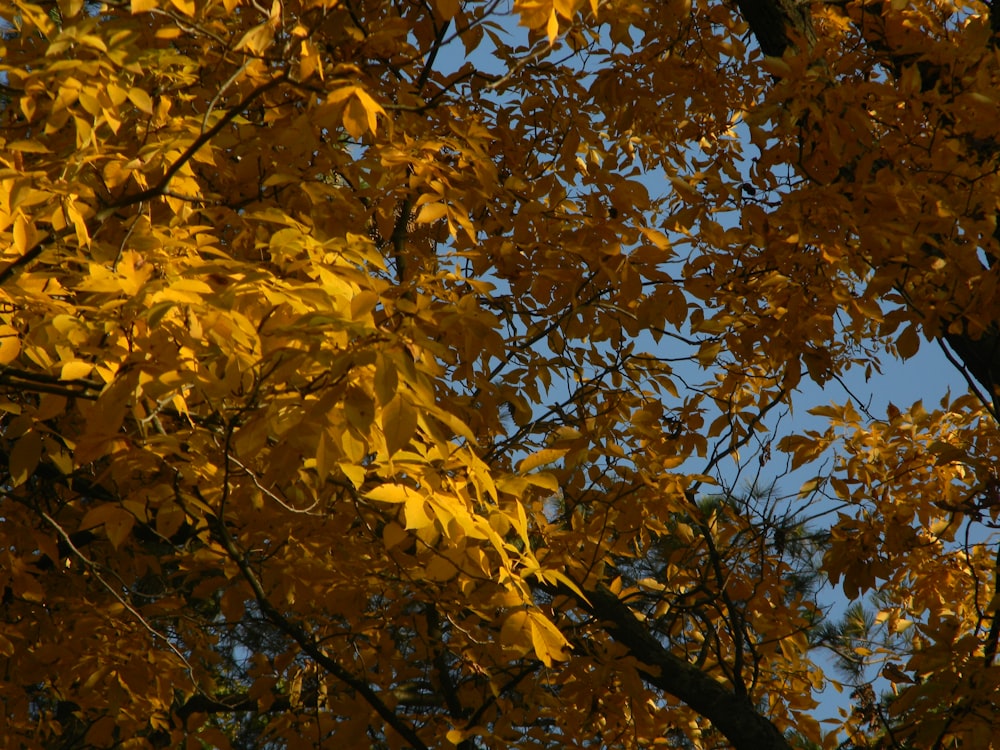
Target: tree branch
154, 192
736, 716
774, 23
294, 631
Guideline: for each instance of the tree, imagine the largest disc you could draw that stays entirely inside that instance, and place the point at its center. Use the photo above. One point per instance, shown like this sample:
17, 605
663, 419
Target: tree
356, 387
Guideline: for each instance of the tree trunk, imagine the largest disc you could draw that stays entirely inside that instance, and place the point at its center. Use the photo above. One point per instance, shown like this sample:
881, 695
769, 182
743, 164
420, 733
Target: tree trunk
777, 25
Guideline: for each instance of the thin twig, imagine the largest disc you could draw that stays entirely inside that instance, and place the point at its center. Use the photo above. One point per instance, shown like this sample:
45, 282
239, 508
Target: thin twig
526, 60
961, 367
269, 493
154, 192
96, 569
296, 632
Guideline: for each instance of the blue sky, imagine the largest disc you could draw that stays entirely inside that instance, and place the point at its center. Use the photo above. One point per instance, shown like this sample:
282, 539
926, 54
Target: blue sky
928, 376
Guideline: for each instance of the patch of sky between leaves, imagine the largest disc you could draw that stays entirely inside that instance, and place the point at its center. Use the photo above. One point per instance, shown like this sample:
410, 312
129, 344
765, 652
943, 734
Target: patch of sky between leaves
927, 376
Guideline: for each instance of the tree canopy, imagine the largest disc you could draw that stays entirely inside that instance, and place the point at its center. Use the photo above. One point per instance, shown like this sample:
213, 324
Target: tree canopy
412, 374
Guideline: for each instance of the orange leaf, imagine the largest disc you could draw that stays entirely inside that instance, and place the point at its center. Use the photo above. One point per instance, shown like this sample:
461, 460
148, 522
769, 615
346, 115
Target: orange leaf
447, 8
908, 342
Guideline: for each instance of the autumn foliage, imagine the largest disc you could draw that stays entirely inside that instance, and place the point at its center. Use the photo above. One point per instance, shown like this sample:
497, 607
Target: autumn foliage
418, 374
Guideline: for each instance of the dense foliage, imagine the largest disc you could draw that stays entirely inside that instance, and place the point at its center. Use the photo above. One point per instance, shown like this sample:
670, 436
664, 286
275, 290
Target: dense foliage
411, 374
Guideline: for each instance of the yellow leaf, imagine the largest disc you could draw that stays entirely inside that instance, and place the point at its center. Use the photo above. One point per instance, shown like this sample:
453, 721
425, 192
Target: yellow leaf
457, 736
354, 473
708, 351
341, 94
684, 532
901, 624
10, 344
355, 117
548, 642
26, 587
541, 458
257, 39
169, 520
97, 516
659, 239
362, 305
393, 534
141, 100
76, 217
552, 28
415, 512
24, 457
809, 486
516, 632
361, 112
359, 409
192, 285
324, 455
393, 493
92, 41
70, 8
431, 212
309, 61
386, 379
372, 108
544, 480
75, 369
22, 233
117, 522
28, 106
84, 132
101, 732
565, 8
399, 422
776, 66
28, 147
440, 569
555, 576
